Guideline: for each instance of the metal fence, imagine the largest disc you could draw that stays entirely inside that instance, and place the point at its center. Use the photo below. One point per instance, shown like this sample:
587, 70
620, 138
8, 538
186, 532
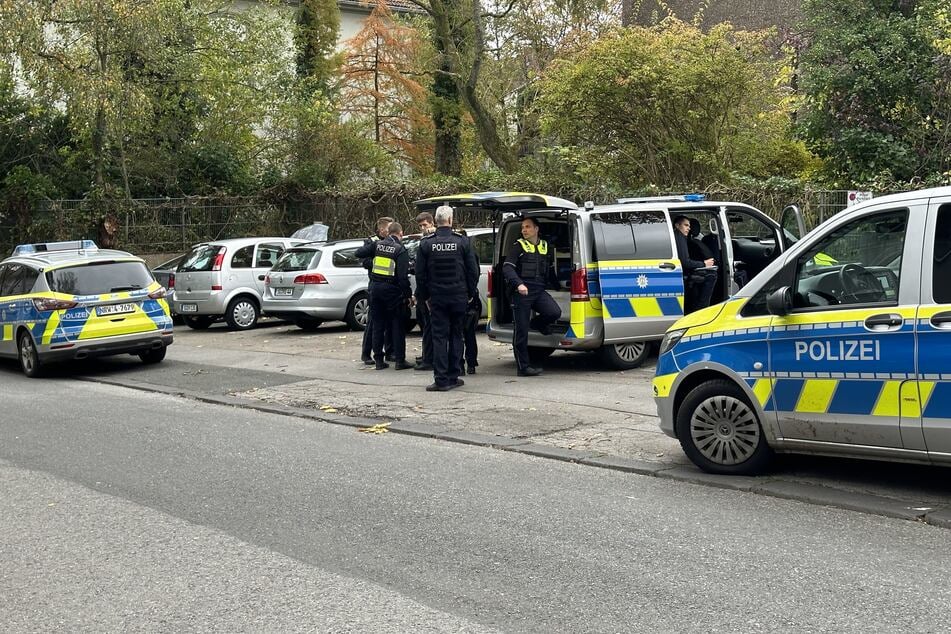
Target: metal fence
164, 226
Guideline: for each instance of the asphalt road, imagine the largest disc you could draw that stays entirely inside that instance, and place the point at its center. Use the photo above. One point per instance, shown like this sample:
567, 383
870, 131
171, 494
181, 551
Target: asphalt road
125, 510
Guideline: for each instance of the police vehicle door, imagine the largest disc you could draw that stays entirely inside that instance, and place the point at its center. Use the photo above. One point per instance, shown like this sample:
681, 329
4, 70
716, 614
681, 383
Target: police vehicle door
844, 356
934, 332
640, 280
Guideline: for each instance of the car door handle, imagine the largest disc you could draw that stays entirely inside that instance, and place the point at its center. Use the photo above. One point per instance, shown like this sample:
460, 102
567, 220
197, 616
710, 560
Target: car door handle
667, 266
888, 321
941, 320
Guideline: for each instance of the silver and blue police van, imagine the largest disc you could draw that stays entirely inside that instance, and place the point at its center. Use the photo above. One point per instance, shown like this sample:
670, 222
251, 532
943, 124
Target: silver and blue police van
840, 347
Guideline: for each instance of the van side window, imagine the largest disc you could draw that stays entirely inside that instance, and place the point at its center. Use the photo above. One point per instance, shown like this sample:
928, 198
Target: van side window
857, 263
243, 257
628, 235
941, 273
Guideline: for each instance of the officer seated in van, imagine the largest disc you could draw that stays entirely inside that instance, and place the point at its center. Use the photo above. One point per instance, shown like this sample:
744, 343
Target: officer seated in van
700, 273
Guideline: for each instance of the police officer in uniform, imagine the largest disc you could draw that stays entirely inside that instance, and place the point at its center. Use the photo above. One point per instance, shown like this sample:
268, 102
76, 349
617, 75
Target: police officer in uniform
699, 276
527, 269
366, 254
390, 294
447, 278
425, 362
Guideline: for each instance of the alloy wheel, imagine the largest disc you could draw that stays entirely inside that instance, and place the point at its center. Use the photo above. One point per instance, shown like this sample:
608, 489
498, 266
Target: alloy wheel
724, 430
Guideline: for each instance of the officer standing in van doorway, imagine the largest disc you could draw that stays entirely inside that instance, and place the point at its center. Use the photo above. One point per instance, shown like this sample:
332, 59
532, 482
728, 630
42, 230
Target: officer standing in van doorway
390, 294
447, 278
365, 253
425, 362
527, 269
698, 283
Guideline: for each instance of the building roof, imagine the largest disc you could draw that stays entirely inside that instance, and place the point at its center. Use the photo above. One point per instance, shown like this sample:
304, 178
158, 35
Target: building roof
397, 6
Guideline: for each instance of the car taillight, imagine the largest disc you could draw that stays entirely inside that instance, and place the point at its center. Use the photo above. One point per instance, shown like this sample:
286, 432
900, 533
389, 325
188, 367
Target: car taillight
45, 304
219, 258
159, 294
489, 292
579, 285
310, 278
171, 281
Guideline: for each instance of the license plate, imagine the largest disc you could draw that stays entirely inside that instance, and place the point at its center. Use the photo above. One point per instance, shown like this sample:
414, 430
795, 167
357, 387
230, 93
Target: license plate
188, 308
114, 309
278, 292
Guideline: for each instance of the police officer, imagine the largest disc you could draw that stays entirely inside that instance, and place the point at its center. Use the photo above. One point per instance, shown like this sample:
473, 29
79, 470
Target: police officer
366, 254
699, 278
425, 362
527, 269
390, 294
447, 278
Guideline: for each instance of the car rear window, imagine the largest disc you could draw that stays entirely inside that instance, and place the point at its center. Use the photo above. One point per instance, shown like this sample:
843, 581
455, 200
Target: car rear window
298, 260
99, 278
201, 258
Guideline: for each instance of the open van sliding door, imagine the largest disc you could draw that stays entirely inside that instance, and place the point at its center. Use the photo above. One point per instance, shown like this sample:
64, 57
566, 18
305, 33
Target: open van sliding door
640, 280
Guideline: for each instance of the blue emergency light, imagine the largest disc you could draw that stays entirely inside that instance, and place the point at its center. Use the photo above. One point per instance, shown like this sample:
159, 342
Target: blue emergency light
694, 198
43, 247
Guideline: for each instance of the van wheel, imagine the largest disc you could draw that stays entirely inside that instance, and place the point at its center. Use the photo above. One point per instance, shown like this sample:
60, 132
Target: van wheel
626, 356
198, 322
242, 313
308, 324
358, 310
29, 357
153, 356
537, 356
720, 432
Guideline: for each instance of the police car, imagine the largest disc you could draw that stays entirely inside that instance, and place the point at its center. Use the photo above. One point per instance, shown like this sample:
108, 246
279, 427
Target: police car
841, 347
70, 300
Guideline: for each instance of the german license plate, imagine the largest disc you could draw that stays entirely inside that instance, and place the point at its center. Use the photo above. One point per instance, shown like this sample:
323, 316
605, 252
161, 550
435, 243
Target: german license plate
188, 308
283, 292
114, 309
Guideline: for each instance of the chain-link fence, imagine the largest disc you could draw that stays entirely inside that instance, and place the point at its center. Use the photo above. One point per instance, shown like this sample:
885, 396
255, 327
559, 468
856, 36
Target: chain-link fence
162, 225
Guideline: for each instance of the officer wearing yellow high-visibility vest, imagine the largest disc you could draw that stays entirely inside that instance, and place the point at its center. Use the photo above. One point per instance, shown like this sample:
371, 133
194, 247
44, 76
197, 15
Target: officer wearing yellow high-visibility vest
390, 293
528, 269
366, 255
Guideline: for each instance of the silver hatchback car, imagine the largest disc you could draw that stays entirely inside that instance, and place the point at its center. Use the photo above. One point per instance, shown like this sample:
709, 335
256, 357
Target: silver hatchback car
318, 282
225, 279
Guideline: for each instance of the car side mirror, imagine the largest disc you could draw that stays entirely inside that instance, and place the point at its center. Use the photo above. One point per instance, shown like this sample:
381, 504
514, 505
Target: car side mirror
780, 301
261, 278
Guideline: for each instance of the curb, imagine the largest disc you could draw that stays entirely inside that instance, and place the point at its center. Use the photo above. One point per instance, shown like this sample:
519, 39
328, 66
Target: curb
816, 494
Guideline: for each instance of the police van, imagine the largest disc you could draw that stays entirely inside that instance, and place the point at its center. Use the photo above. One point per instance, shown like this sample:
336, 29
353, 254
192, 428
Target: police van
70, 300
620, 281
841, 347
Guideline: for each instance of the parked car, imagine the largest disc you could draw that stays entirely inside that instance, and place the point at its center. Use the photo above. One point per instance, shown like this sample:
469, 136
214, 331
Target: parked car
70, 300
225, 279
317, 282
164, 274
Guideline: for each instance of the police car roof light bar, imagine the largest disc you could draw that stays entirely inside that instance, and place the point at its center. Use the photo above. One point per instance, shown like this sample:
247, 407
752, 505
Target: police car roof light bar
42, 247
686, 198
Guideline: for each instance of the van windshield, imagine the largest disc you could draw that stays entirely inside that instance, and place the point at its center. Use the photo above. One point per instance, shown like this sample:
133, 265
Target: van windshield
99, 278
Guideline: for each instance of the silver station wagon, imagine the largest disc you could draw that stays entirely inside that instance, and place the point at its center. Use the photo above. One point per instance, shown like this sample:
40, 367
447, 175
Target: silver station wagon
318, 282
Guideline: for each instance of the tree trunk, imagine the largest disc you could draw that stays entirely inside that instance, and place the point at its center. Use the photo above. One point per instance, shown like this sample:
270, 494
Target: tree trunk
446, 120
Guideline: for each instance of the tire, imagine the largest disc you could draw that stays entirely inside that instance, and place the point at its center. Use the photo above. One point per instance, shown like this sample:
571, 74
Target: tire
242, 313
198, 322
29, 357
357, 312
537, 356
626, 356
308, 324
153, 356
720, 432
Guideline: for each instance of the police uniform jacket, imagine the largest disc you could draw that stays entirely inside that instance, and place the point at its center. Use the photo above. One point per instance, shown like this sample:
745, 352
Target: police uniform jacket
529, 264
390, 265
365, 253
446, 265
683, 254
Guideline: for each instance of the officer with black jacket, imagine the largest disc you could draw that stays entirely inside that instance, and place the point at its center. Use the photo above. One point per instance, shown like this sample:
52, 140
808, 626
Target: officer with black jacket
528, 269
447, 278
699, 275
367, 250
390, 294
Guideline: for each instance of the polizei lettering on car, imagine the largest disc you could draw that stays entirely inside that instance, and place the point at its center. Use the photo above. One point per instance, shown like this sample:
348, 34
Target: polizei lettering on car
844, 350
